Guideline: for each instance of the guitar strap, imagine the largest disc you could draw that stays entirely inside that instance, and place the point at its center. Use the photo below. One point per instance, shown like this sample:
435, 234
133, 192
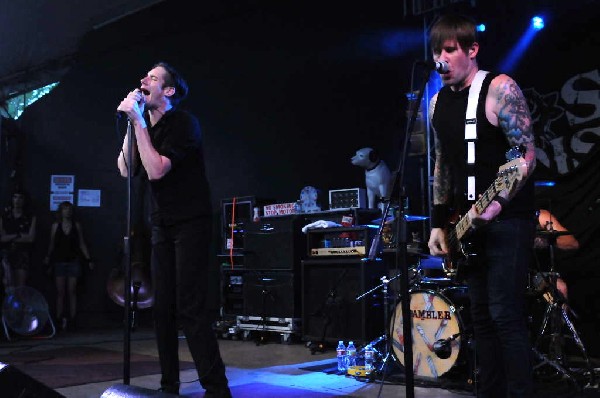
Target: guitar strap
471, 131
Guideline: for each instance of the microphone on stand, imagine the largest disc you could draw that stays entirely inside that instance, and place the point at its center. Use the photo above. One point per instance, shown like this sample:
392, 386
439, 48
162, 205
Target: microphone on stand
440, 67
443, 347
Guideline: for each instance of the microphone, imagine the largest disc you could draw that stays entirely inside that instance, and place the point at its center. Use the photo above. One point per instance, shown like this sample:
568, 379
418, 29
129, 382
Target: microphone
440, 67
442, 348
120, 114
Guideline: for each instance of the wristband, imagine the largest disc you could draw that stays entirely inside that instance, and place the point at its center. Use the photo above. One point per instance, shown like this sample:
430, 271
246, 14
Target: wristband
439, 216
503, 202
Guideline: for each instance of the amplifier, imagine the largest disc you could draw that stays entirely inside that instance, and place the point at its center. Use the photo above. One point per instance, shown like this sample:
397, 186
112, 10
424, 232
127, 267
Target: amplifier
348, 198
339, 251
344, 241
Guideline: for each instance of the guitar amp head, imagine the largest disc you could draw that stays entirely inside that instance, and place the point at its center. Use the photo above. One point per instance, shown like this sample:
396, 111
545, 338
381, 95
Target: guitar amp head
348, 198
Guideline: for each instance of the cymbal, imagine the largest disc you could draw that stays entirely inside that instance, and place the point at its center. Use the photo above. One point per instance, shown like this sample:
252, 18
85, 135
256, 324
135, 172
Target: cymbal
408, 218
545, 233
415, 218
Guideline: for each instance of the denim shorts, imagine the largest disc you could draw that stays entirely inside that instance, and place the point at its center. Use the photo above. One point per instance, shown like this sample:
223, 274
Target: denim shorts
67, 269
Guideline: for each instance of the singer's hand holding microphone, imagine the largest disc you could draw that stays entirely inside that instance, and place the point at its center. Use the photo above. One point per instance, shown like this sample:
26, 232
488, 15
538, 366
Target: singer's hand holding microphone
132, 106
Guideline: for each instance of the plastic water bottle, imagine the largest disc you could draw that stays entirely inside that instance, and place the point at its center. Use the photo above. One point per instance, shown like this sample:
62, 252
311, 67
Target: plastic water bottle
341, 357
351, 352
369, 355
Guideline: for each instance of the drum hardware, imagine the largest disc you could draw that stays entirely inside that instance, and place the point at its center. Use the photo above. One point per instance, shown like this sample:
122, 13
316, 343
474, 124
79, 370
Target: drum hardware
386, 355
432, 269
555, 318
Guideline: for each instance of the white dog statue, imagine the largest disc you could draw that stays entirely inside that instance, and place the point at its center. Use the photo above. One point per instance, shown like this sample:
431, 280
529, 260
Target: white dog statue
377, 174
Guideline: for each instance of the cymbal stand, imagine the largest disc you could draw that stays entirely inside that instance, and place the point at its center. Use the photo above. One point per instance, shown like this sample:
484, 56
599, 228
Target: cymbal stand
555, 317
385, 336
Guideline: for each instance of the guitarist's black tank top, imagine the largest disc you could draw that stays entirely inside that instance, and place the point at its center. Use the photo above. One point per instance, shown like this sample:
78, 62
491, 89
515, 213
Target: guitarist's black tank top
490, 149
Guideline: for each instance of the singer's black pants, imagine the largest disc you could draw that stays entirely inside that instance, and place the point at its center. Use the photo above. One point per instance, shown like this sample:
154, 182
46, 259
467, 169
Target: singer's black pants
180, 260
497, 291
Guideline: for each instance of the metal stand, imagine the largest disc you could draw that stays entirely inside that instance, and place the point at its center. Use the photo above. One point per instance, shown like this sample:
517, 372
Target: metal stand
400, 224
385, 337
555, 318
128, 314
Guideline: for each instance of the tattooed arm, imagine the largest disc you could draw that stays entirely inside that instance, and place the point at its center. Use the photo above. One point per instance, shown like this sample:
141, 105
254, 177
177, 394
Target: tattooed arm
507, 108
441, 171
441, 192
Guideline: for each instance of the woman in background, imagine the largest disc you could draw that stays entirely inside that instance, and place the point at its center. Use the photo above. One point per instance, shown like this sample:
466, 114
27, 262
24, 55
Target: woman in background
66, 253
17, 231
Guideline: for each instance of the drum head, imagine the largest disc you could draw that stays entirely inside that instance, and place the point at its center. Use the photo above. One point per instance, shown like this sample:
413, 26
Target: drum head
434, 318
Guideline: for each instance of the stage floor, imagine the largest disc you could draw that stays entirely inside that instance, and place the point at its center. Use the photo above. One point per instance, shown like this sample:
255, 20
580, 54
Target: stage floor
267, 368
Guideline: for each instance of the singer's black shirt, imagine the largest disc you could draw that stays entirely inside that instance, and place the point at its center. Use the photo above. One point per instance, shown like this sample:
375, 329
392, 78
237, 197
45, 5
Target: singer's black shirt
183, 193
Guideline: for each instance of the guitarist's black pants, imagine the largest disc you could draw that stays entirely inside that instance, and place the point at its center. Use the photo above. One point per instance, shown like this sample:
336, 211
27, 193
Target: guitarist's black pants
497, 288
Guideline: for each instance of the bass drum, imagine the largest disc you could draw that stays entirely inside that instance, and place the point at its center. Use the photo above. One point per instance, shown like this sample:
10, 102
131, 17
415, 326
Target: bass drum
435, 318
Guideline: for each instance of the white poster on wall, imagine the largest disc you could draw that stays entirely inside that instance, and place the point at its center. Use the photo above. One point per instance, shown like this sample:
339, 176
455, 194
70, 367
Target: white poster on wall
88, 198
58, 198
62, 183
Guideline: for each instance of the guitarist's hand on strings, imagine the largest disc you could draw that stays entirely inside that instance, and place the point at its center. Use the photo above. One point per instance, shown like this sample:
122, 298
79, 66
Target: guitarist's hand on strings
490, 212
437, 242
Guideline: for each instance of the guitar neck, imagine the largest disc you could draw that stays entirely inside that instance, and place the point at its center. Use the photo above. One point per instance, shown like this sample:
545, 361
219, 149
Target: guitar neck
463, 225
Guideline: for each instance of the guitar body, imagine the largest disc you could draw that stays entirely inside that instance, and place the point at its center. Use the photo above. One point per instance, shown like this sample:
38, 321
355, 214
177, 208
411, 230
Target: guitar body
462, 253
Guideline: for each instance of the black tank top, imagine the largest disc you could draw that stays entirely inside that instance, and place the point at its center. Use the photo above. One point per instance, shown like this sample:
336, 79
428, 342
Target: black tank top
66, 247
490, 149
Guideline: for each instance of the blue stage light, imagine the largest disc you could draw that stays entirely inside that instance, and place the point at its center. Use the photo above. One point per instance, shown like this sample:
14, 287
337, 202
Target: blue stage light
537, 22
481, 27
511, 60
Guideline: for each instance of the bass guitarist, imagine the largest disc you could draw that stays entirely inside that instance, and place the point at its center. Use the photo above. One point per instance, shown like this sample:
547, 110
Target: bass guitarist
476, 117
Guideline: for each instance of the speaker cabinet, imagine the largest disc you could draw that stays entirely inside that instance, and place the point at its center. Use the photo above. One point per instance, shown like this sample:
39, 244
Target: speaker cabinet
15, 384
330, 309
271, 294
232, 292
236, 213
274, 243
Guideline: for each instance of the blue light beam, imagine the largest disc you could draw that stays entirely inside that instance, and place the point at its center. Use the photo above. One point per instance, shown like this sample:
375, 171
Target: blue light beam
513, 58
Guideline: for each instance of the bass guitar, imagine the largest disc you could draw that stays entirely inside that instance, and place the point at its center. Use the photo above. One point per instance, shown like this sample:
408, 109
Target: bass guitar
460, 250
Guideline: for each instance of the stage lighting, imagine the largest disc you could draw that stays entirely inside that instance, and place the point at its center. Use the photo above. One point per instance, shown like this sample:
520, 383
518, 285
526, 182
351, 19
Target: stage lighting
543, 183
537, 22
481, 27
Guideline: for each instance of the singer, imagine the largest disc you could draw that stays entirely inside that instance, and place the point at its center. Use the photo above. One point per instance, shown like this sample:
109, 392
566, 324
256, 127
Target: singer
476, 117
170, 150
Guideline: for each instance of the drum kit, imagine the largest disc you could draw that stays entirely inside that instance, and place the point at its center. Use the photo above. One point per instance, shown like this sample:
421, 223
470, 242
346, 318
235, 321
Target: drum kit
441, 331
440, 313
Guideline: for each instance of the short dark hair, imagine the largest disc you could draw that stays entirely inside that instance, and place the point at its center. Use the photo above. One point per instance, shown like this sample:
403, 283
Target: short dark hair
174, 79
453, 26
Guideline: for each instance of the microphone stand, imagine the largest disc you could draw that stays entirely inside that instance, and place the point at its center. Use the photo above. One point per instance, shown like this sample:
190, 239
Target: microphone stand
400, 258
127, 252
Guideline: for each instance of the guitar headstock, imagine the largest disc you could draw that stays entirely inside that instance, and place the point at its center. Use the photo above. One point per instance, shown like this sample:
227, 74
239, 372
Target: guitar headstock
509, 174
